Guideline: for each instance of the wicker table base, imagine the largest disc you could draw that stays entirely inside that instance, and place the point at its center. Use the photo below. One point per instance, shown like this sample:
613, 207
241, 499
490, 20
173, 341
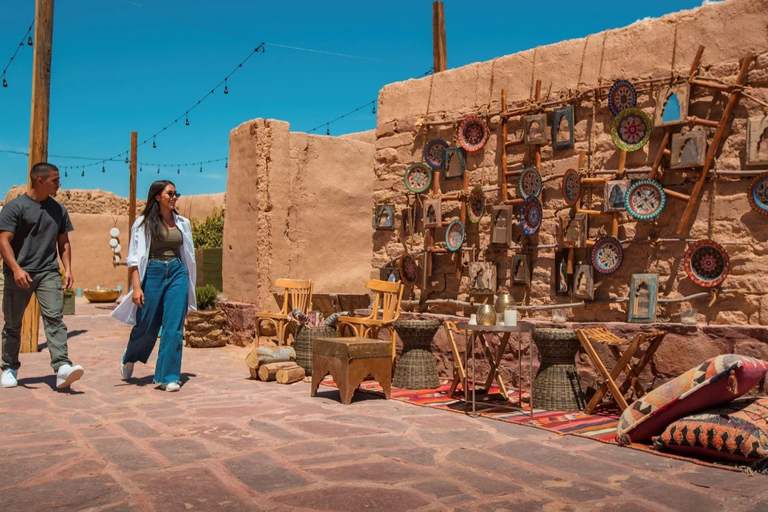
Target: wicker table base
416, 368
303, 343
557, 386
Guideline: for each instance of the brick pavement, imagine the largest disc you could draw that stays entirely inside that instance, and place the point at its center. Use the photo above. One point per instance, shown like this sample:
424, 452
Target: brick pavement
225, 442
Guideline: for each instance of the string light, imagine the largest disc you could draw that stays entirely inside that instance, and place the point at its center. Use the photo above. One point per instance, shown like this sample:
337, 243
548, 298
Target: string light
21, 45
103, 169
178, 171
154, 146
201, 168
65, 174
226, 91
328, 123
82, 174
158, 170
141, 169
126, 159
186, 121
327, 129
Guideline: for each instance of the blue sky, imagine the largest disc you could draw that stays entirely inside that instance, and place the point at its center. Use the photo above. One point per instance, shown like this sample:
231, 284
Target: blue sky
122, 65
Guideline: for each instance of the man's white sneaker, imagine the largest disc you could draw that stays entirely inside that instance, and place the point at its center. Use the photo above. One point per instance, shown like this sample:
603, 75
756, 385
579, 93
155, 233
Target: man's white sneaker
172, 386
126, 370
8, 379
68, 374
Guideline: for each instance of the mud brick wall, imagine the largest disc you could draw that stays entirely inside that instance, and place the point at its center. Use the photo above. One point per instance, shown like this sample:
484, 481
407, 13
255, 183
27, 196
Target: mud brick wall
643, 50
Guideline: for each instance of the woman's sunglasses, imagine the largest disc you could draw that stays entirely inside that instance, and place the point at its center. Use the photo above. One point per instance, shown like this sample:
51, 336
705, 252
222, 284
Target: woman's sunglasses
171, 194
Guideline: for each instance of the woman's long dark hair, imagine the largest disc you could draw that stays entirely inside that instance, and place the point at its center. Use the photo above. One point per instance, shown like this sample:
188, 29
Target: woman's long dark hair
151, 212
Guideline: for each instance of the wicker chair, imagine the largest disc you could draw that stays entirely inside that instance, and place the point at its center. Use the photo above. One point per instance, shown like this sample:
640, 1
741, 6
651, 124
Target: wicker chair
298, 295
387, 297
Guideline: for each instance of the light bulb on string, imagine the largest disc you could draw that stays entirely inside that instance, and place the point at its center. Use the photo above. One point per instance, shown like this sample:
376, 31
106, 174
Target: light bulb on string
154, 146
327, 129
186, 121
126, 158
158, 170
178, 170
201, 168
102, 168
65, 174
5, 84
29, 41
373, 111
82, 174
226, 91
141, 168
226, 164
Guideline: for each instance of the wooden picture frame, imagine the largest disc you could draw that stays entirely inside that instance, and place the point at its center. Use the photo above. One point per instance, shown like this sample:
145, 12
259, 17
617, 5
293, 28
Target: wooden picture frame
688, 150
501, 225
572, 233
560, 274
562, 128
384, 217
535, 126
407, 220
454, 163
614, 193
583, 282
521, 273
757, 140
672, 105
433, 216
643, 295
482, 278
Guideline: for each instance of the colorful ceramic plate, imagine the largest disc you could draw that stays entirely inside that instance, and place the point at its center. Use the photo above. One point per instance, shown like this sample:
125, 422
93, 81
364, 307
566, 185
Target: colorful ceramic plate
418, 178
645, 199
476, 205
706, 263
571, 187
530, 182
621, 97
473, 133
434, 153
454, 235
530, 215
758, 194
631, 129
409, 269
607, 255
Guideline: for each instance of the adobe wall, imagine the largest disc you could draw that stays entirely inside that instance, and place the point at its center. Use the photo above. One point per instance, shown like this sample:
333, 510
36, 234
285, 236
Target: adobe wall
647, 49
298, 206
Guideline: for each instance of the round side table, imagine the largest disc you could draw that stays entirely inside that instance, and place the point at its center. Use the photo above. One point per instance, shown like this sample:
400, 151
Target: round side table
557, 386
416, 368
302, 343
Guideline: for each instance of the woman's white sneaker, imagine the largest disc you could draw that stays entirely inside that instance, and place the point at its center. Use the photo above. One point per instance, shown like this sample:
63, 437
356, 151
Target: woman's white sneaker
172, 386
68, 374
126, 370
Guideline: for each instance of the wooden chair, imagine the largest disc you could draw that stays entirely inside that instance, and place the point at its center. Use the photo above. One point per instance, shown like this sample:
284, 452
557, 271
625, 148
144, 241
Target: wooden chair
624, 366
298, 295
387, 297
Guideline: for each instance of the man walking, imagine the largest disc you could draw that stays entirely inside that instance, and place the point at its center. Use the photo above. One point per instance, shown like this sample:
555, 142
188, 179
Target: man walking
32, 227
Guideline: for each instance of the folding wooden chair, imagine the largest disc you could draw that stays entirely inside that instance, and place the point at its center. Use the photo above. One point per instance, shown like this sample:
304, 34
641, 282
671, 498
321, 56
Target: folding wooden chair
459, 375
624, 366
298, 295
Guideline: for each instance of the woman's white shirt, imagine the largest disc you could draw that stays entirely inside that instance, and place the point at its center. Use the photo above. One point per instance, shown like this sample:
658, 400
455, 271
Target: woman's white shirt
138, 256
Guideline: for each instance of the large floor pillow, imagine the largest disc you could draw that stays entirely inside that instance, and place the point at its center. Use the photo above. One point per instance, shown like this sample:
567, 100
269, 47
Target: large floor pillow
736, 432
710, 384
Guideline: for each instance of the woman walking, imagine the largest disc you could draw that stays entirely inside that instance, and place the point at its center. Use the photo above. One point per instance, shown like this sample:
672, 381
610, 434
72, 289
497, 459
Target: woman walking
162, 262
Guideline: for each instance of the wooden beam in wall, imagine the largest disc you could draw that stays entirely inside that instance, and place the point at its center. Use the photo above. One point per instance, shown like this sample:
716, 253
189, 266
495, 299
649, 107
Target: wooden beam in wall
439, 51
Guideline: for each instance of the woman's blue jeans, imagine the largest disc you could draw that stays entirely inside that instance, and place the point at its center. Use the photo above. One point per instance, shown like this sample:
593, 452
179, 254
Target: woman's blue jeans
165, 289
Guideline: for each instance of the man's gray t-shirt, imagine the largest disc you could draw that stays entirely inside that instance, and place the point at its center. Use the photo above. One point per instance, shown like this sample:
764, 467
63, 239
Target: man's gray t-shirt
36, 227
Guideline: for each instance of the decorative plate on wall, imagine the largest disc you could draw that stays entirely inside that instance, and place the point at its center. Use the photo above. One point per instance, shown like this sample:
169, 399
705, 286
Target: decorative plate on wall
706, 263
418, 178
621, 97
607, 255
645, 199
530, 215
473, 133
434, 153
758, 194
476, 205
571, 187
409, 269
454, 235
530, 182
631, 129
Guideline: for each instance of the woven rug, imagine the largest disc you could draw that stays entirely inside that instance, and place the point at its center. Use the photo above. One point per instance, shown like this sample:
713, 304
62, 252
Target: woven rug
600, 426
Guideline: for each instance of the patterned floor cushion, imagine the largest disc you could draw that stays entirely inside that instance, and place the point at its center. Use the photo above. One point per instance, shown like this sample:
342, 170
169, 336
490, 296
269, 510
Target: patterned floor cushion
710, 384
736, 432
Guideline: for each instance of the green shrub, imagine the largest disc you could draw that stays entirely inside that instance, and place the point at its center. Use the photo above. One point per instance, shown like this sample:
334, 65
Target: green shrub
207, 297
209, 234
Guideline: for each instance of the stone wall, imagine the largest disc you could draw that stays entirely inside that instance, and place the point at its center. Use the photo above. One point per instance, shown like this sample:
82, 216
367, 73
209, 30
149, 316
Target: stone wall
298, 206
647, 49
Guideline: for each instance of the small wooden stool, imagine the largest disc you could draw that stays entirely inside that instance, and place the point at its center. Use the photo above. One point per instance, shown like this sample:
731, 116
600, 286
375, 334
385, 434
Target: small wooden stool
349, 361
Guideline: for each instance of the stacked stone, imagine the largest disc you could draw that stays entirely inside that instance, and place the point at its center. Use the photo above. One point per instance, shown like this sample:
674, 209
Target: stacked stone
203, 329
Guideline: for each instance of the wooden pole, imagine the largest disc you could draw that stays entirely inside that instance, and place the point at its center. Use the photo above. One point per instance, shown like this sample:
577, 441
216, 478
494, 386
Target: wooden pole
439, 51
504, 133
132, 191
38, 136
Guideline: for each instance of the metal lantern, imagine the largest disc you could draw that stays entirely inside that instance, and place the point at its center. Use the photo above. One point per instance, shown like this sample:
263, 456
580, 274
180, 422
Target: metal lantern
486, 315
504, 301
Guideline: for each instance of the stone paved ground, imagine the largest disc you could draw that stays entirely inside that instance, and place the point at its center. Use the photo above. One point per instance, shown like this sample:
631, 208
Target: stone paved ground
225, 442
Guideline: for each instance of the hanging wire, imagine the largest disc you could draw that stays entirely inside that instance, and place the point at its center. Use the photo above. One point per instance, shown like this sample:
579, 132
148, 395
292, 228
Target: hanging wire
327, 123
21, 45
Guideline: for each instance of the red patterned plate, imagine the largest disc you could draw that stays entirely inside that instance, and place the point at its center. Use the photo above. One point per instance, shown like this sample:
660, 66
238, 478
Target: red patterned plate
571, 187
473, 133
706, 263
530, 182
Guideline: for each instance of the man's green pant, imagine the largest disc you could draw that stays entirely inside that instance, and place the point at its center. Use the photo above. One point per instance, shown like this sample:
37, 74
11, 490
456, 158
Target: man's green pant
47, 286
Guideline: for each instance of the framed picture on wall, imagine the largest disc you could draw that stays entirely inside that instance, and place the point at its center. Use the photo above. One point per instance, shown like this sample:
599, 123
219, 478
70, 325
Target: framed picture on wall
407, 220
521, 273
433, 217
572, 233
672, 105
561, 281
501, 225
562, 128
384, 217
583, 282
643, 294
482, 277
535, 126
454, 164
688, 150
615, 190
757, 140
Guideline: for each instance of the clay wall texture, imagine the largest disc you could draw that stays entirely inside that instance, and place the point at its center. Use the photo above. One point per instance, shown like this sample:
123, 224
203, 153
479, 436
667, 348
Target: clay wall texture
298, 206
646, 49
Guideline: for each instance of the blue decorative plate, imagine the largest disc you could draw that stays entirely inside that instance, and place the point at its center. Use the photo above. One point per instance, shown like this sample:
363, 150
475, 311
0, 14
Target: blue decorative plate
418, 178
622, 96
530, 182
607, 255
758, 194
454, 235
645, 199
530, 215
434, 153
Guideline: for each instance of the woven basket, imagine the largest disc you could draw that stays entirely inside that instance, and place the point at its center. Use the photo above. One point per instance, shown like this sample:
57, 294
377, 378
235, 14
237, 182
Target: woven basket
303, 343
416, 368
557, 386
